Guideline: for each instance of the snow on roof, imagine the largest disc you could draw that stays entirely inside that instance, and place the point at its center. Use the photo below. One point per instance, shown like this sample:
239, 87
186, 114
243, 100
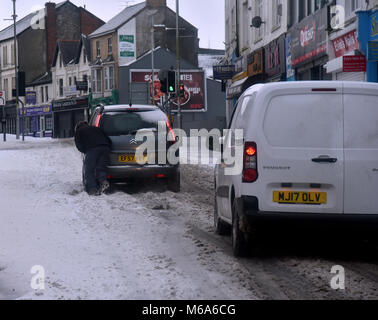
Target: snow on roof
119, 20
21, 25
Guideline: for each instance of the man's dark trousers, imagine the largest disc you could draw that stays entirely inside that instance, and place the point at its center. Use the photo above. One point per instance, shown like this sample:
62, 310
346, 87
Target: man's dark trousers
96, 163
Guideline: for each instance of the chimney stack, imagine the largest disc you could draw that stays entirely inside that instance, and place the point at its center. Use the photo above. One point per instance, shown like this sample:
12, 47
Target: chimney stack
156, 3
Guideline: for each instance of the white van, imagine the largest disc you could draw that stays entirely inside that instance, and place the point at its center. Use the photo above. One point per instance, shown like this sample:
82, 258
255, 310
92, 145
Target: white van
310, 150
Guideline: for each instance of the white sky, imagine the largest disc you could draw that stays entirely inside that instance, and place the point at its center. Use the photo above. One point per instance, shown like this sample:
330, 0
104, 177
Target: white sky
206, 15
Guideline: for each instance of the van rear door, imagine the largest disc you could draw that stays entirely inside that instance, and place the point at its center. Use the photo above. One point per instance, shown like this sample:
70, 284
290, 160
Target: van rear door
300, 151
361, 148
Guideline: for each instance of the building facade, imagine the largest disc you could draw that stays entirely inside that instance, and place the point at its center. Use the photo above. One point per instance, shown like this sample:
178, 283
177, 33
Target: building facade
286, 40
129, 36
37, 36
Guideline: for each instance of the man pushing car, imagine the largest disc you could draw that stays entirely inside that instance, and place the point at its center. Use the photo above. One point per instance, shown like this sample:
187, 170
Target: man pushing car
95, 144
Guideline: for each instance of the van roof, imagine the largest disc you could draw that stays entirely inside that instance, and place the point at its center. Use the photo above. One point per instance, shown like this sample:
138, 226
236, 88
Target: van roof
312, 85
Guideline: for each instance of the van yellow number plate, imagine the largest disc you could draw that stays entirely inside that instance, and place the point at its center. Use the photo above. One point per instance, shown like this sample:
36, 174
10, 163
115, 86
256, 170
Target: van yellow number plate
298, 197
131, 158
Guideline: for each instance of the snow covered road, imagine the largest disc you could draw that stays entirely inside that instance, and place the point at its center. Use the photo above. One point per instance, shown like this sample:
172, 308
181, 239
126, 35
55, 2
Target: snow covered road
137, 243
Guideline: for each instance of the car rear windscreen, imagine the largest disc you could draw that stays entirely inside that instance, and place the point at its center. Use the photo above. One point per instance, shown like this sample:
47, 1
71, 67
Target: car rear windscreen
128, 123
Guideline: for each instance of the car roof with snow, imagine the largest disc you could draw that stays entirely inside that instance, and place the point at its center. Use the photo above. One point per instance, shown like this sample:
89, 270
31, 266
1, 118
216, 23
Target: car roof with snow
126, 107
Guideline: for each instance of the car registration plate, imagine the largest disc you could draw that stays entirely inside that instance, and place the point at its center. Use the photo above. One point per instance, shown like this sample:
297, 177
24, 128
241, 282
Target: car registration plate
299, 197
131, 158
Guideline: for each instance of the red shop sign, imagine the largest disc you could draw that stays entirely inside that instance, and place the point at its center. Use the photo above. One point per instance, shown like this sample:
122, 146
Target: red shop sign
354, 64
346, 43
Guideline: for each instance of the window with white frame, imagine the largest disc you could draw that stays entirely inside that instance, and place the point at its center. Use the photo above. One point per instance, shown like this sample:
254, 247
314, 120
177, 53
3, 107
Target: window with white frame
98, 49
42, 95
258, 13
47, 93
246, 24
110, 46
61, 85
351, 6
109, 78
84, 55
5, 56
276, 13
97, 80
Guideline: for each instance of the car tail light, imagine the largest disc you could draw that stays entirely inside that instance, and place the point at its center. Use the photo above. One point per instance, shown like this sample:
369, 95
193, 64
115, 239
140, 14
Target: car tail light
172, 138
97, 122
160, 176
250, 173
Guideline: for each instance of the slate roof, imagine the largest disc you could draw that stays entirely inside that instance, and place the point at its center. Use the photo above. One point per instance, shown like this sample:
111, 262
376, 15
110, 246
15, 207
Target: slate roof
21, 25
119, 20
45, 79
68, 50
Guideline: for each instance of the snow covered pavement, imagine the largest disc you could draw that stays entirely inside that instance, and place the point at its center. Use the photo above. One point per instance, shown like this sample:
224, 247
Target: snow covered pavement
108, 247
141, 243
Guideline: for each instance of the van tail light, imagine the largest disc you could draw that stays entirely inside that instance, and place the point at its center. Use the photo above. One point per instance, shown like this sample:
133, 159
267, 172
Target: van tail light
97, 122
250, 173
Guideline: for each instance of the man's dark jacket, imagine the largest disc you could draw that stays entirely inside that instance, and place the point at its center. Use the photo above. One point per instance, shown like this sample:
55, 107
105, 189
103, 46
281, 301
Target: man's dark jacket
90, 137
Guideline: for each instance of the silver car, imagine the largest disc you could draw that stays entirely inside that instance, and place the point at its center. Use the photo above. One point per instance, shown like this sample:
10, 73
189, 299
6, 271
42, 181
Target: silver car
121, 123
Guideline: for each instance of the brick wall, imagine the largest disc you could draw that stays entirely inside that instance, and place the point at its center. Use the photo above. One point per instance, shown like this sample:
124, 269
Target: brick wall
88, 22
157, 3
50, 33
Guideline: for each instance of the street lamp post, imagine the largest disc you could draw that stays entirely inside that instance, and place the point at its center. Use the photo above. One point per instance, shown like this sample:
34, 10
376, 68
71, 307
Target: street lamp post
15, 70
179, 115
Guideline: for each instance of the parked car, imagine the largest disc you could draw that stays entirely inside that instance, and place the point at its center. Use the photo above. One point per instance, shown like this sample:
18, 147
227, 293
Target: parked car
310, 151
121, 123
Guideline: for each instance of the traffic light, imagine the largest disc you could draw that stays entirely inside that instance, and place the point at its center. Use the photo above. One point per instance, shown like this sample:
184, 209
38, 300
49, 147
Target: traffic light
171, 81
163, 77
182, 90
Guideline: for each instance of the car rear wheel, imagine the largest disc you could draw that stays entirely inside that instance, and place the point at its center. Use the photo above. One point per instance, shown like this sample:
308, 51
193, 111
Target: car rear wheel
221, 228
174, 183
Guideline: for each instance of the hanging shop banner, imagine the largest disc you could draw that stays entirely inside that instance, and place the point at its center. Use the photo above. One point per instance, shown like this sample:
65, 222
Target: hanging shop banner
194, 84
126, 46
290, 71
225, 72
255, 62
346, 43
31, 97
275, 58
309, 38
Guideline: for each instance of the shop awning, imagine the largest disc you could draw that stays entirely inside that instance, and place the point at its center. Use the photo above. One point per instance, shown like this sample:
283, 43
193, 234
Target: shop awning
236, 89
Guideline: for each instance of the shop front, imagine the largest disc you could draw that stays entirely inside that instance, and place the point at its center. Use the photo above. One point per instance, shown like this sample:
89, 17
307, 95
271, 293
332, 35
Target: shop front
346, 45
253, 72
66, 114
275, 60
368, 36
37, 121
308, 47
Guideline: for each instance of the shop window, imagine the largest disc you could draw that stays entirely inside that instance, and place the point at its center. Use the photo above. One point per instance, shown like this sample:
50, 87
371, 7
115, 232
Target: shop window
49, 122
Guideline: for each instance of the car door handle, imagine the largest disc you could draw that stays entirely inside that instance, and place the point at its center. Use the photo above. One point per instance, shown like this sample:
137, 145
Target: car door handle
324, 159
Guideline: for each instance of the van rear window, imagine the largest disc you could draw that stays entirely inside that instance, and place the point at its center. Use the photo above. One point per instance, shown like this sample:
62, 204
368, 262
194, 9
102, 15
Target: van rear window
305, 121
